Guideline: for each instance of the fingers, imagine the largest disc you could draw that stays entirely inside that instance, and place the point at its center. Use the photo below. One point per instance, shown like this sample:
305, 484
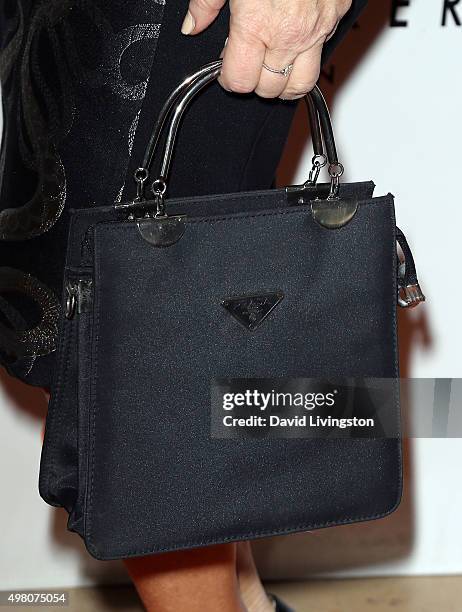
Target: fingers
270, 34
243, 57
270, 84
200, 15
243, 70
304, 75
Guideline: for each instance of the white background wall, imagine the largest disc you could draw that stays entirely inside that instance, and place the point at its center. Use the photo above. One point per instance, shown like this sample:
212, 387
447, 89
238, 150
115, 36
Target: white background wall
396, 98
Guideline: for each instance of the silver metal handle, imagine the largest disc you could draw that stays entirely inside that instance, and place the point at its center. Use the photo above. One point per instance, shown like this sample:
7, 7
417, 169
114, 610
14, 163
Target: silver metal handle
179, 100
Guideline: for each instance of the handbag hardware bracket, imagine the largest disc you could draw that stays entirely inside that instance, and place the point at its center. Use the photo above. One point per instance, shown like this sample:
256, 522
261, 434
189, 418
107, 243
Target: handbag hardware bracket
333, 213
296, 193
161, 231
409, 296
155, 226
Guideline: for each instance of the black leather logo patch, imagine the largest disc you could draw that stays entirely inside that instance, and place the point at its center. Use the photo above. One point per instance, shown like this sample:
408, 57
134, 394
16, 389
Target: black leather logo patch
252, 310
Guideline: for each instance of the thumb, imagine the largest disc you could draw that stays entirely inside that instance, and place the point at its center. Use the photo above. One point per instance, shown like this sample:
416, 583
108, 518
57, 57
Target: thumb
200, 15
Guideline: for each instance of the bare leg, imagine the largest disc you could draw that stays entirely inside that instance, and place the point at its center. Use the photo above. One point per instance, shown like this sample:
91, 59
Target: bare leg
252, 590
197, 580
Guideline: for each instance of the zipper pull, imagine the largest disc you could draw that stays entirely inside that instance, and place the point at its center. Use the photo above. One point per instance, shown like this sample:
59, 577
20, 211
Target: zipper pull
78, 297
409, 291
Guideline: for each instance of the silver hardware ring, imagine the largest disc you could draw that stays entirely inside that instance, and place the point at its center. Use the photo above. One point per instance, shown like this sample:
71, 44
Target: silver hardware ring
141, 176
317, 162
335, 172
158, 188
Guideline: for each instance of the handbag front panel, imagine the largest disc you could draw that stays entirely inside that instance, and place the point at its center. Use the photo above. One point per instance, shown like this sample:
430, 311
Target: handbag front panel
59, 469
156, 478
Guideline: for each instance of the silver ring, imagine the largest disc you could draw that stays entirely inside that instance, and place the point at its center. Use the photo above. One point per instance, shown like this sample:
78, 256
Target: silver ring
284, 71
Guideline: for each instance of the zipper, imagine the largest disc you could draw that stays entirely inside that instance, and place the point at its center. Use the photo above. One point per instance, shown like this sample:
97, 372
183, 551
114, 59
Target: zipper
78, 295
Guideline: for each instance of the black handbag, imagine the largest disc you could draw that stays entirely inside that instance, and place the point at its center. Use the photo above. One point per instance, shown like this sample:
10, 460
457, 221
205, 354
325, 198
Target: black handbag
163, 296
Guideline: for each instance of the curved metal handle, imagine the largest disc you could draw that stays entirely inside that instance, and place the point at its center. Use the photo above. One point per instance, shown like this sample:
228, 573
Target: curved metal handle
319, 160
179, 100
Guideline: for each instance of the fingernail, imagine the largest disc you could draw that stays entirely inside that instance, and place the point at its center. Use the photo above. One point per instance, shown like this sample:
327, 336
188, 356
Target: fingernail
226, 41
188, 24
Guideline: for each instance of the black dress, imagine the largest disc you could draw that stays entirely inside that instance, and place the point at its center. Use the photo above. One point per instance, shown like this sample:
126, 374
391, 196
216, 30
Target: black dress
82, 82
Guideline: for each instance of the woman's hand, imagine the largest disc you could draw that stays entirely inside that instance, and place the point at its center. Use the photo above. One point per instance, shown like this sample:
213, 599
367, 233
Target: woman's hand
277, 33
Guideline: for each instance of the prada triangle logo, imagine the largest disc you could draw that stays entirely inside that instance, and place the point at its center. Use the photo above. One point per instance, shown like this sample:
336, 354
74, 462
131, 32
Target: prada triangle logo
252, 310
